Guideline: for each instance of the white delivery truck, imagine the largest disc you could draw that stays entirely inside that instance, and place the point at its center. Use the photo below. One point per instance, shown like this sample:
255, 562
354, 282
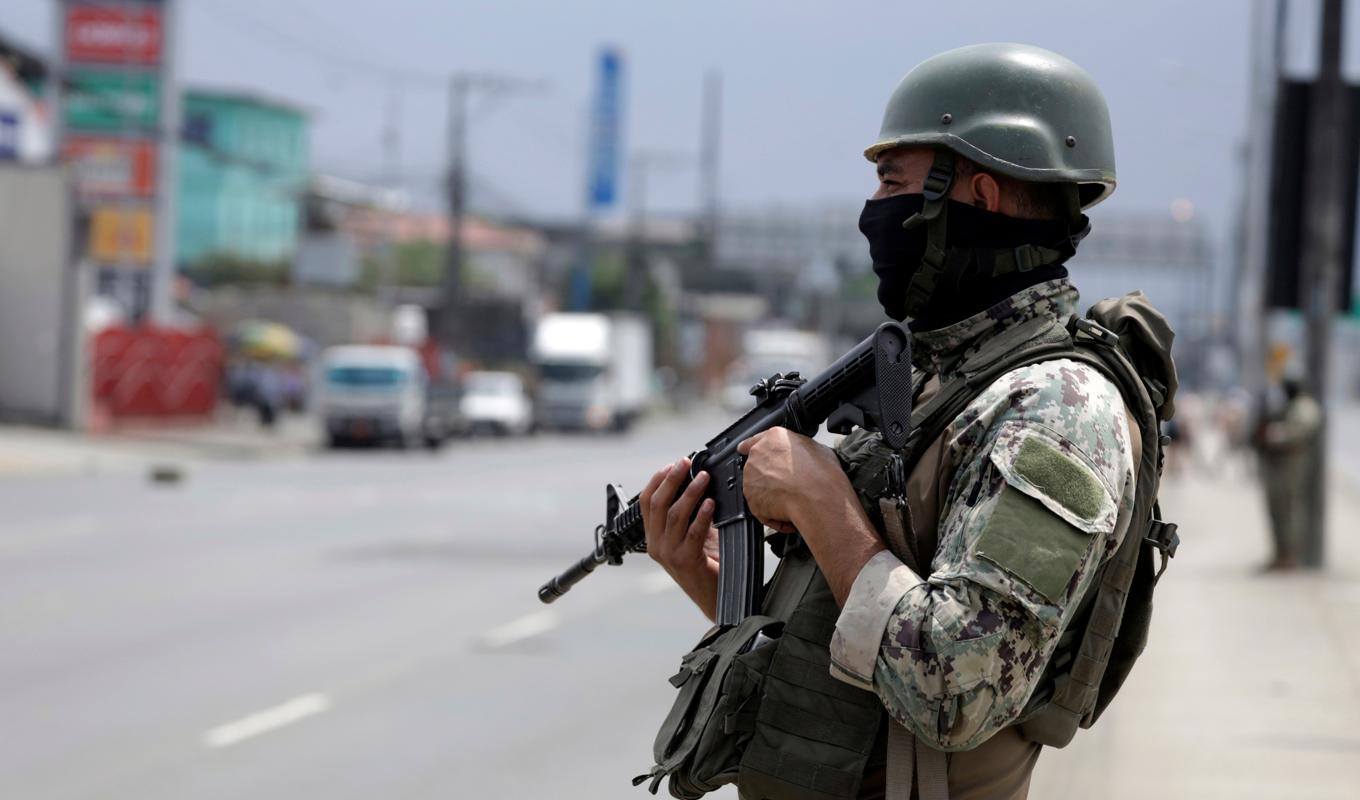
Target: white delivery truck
594, 370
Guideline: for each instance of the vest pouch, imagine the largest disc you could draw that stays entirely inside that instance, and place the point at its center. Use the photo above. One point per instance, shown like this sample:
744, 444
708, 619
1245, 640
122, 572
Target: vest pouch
699, 745
814, 735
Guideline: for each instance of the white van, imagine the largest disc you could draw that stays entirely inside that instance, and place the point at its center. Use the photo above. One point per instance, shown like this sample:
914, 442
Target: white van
376, 393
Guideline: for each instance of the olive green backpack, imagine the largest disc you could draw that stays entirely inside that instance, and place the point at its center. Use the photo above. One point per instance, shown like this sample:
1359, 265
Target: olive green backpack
757, 703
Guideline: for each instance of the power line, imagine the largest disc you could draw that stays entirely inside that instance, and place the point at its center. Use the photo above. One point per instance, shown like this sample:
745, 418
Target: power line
302, 8
235, 15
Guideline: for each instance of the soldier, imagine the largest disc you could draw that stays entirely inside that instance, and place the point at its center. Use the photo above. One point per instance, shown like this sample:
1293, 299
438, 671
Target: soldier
1285, 440
986, 159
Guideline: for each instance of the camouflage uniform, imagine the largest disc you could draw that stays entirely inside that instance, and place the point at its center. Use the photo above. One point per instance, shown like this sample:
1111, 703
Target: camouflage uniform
1037, 481
1284, 448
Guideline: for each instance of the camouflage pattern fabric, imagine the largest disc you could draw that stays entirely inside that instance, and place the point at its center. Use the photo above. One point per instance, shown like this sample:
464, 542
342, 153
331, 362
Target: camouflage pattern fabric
1040, 496
1285, 473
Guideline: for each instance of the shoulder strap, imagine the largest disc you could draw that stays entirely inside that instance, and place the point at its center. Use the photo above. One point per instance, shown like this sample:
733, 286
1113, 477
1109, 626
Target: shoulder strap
930, 419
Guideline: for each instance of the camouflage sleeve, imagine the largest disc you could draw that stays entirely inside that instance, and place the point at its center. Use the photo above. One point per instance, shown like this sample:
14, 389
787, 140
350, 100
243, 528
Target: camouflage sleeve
1039, 498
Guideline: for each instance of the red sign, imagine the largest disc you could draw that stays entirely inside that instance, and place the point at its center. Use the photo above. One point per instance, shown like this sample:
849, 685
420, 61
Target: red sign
113, 34
156, 372
106, 167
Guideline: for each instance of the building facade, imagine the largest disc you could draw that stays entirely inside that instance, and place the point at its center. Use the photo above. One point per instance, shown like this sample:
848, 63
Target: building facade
25, 130
243, 168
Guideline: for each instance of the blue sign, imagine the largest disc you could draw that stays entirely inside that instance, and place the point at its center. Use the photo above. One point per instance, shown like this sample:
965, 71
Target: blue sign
605, 123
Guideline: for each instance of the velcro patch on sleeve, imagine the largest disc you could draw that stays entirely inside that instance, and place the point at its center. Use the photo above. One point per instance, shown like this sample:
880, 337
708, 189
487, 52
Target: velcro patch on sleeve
1053, 509
1027, 540
1056, 475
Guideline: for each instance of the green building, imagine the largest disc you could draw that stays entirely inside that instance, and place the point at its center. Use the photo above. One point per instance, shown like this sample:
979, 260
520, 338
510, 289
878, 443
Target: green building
243, 167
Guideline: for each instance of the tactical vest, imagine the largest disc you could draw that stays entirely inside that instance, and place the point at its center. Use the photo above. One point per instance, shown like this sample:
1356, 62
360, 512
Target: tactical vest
757, 703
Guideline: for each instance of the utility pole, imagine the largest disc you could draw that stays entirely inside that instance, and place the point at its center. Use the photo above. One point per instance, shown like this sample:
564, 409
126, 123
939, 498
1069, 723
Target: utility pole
1321, 263
638, 167
389, 271
462, 86
710, 144
637, 232
449, 316
1252, 274
160, 302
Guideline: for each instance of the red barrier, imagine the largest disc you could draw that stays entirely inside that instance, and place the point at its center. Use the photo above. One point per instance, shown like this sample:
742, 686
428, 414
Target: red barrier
145, 371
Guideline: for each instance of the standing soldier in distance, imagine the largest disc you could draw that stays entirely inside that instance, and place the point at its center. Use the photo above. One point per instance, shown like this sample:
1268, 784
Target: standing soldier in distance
1285, 440
987, 157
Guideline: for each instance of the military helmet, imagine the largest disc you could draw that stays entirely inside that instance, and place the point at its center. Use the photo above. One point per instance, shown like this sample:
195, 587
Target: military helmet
1014, 109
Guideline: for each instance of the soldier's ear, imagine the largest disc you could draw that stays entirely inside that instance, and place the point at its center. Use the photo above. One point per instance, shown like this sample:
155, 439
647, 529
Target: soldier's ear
986, 191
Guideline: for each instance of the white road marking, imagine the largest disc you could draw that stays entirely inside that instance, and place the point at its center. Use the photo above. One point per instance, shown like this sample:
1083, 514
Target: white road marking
525, 627
658, 582
267, 720
540, 622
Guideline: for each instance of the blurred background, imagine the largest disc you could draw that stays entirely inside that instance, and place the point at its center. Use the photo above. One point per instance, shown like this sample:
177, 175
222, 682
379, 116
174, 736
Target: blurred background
323, 326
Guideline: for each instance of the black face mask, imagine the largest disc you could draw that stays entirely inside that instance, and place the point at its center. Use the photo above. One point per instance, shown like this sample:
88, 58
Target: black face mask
897, 252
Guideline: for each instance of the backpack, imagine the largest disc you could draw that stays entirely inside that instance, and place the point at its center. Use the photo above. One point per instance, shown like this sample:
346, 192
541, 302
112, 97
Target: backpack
1128, 341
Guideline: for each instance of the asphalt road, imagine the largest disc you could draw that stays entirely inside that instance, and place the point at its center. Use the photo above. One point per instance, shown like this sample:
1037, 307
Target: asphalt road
364, 624
358, 624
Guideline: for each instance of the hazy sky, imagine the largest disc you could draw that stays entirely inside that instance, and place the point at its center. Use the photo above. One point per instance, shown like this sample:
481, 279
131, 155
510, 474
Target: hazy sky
804, 82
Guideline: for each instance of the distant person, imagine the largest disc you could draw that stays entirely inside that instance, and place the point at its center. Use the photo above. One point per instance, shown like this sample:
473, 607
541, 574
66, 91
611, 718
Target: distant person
268, 392
1284, 441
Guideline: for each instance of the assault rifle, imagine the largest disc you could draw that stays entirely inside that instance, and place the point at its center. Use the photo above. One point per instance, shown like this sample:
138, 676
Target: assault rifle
869, 387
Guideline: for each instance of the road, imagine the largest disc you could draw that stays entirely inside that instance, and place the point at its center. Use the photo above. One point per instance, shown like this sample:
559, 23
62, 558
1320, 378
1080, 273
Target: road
364, 624
342, 625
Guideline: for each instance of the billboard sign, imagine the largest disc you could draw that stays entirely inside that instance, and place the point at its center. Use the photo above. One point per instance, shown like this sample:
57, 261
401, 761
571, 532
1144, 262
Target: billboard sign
122, 235
112, 166
113, 34
112, 101
605, 124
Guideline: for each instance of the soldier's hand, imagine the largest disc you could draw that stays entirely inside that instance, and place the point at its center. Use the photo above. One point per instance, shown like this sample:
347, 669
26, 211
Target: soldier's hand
786, 472
687, 550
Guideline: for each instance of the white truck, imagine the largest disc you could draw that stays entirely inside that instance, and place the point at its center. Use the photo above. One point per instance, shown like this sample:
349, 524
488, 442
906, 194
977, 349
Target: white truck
594, 370
766, 351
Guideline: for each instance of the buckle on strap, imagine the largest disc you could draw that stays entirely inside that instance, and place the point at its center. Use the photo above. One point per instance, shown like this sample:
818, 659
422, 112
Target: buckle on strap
895, 477
1162, 535
1081, 326
940, 177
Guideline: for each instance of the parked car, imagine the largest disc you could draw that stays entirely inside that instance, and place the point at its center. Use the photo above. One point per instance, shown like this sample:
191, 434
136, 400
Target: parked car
381, 394
495, 402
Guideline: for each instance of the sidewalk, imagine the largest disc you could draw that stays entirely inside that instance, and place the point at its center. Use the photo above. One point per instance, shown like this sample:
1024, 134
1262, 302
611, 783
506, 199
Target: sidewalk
233, 434
1345, 441
27, 451
1250, 685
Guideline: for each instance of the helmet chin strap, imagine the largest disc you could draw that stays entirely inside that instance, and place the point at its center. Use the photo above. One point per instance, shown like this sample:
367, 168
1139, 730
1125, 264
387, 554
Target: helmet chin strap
989, 262
934, 214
